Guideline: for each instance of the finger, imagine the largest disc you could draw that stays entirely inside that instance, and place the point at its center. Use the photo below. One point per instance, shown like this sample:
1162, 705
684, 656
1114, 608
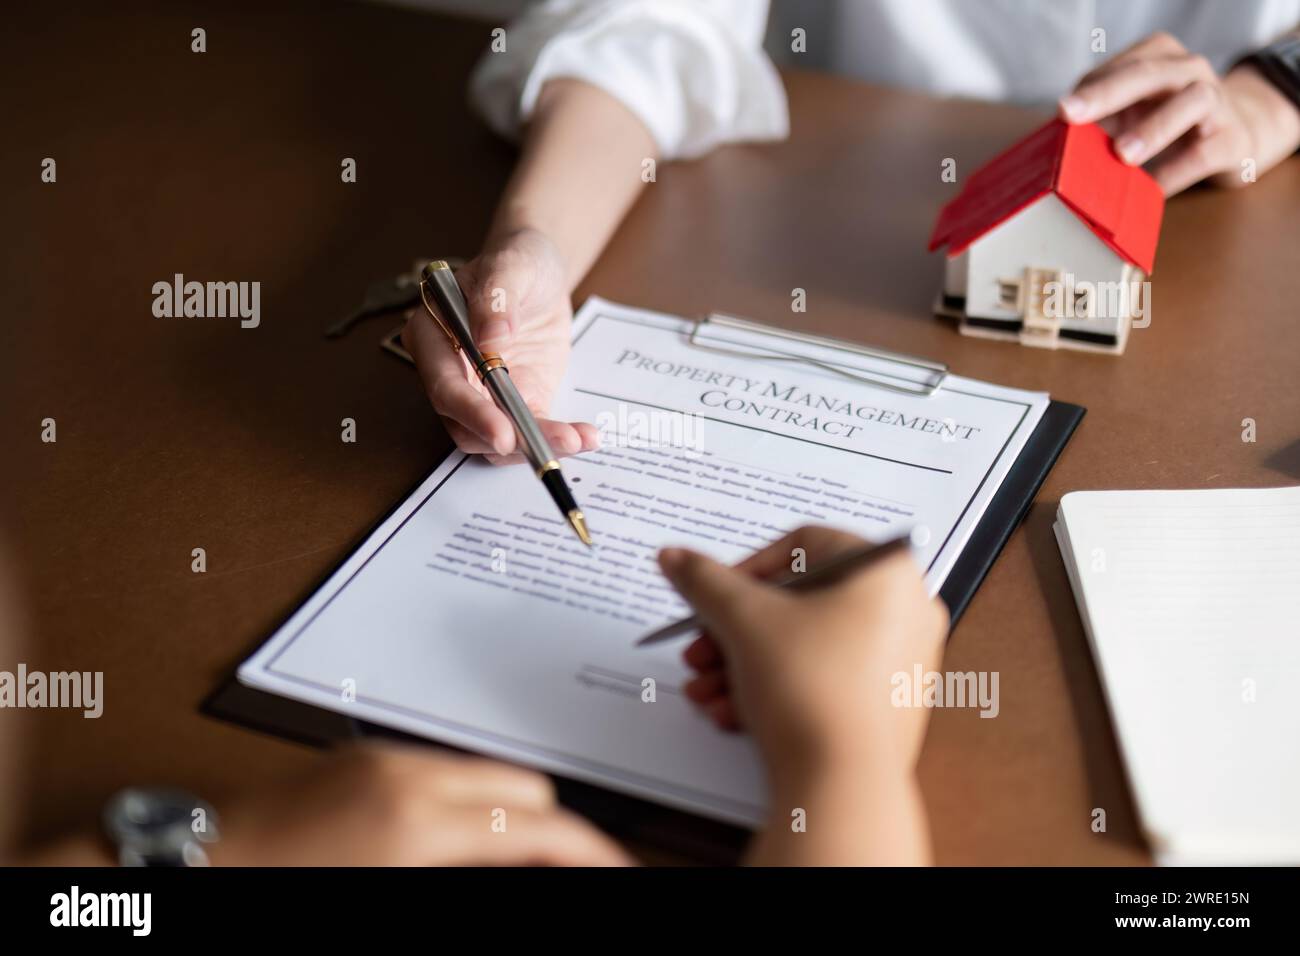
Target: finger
1129, 117
1190, 162
500, 460
533, 383
484, 836
537, 396
447, 385
894, 576
1155, 46
588, 434
472, 780
466, 440
565, 439
723, 713
1165, 124
703, 654
1128, 84
722, 596
706, 686
809, 543
492, 298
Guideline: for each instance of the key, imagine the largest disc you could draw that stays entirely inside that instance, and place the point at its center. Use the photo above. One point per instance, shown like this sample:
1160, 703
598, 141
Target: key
385, 295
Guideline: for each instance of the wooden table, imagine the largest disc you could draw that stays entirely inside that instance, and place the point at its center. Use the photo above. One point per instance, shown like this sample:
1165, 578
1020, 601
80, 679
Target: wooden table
175, 434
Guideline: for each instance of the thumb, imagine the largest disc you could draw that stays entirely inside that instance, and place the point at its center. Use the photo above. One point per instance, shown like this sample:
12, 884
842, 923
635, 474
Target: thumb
721, 595
492, 303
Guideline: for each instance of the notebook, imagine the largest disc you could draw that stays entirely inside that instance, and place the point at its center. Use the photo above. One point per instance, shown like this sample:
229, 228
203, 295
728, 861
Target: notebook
1191, 600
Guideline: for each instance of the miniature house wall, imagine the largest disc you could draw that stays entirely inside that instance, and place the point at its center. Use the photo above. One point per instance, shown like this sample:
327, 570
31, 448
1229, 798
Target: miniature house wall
1048, 237
1045, 243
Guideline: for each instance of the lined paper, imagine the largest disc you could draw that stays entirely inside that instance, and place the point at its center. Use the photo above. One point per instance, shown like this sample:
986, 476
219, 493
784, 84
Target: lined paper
1191, 600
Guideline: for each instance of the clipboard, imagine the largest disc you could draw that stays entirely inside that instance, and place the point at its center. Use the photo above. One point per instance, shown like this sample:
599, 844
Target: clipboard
638, 821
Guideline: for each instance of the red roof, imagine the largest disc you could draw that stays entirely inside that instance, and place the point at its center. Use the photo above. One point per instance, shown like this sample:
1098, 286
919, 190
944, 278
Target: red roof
1122, 204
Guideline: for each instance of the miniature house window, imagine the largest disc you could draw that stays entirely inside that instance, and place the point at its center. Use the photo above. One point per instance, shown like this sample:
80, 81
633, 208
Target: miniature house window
1008, 293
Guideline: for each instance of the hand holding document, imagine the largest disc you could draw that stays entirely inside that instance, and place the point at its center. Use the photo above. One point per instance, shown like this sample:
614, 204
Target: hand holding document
472, 616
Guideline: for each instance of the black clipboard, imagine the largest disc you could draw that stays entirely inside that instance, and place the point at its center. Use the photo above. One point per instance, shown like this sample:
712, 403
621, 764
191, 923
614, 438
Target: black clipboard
631, 818
641, 821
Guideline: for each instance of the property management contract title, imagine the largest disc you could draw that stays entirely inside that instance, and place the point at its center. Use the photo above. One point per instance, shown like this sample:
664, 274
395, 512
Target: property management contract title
790, 405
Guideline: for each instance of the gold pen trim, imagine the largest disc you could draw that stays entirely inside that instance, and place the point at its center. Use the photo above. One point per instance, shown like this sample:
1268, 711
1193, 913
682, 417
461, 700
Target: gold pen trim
551, 465
491, 360
424, 297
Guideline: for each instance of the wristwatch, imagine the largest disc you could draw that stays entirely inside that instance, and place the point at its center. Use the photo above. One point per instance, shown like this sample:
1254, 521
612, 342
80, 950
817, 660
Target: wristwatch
1279, 62
160, 827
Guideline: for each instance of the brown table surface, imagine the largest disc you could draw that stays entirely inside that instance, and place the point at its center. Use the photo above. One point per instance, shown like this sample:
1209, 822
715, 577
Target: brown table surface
182, 433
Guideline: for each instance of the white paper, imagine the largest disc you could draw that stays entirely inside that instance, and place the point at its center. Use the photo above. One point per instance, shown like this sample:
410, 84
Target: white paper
1190, 600
474, 617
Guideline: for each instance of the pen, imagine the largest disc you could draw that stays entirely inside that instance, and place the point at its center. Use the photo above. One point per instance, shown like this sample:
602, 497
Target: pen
826, 572
438, 282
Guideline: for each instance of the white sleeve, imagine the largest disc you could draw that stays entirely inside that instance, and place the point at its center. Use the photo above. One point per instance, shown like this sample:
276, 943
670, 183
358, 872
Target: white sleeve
694, 71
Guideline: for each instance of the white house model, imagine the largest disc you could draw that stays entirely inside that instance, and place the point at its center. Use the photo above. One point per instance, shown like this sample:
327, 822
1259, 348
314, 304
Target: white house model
1050, 243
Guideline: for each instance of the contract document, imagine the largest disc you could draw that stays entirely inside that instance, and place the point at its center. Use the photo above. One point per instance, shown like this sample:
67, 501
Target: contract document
472, 616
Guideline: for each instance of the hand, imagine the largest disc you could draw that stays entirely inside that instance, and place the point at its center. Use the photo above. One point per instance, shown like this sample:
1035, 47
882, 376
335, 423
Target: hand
809, 673
520, 274
406, 806
1167, 108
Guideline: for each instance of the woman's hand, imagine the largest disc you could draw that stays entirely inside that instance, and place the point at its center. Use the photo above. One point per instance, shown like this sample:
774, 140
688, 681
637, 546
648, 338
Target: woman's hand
518, 300
1167, 108
406, 806
809, 675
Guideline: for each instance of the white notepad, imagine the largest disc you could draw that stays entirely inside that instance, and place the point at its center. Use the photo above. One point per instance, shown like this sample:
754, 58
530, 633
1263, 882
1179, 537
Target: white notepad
1191, 600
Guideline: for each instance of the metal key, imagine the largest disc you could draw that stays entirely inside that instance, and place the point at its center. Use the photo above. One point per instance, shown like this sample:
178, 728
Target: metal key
385, 295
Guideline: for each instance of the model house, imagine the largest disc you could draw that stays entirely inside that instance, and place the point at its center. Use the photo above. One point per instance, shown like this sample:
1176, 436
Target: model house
1050, 243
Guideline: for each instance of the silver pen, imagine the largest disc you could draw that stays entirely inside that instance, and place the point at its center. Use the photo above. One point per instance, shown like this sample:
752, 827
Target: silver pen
448, 308
819, 575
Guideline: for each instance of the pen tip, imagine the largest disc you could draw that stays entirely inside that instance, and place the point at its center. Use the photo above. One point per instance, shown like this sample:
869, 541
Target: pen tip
580, 526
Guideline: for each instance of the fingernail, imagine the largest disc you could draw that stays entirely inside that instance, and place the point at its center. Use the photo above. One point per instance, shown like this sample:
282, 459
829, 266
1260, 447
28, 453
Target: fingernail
1074, 108
1129, 148
495, 331
586, 440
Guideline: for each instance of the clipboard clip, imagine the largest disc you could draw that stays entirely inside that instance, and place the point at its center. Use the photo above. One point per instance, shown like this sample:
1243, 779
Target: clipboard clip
936, 372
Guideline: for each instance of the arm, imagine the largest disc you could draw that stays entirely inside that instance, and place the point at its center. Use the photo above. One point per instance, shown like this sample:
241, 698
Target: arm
390, 805
579, 172
595, 88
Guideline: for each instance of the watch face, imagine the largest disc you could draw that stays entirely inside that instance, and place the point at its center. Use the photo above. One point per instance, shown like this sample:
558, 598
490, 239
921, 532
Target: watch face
149, 819
156, 809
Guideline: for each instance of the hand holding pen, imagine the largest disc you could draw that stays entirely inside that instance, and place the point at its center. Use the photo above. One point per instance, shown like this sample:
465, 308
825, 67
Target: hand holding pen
518, 300
810, 674
445, 302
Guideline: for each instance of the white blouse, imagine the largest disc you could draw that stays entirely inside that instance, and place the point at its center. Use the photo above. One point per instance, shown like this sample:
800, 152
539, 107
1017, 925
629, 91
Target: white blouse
697, 74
